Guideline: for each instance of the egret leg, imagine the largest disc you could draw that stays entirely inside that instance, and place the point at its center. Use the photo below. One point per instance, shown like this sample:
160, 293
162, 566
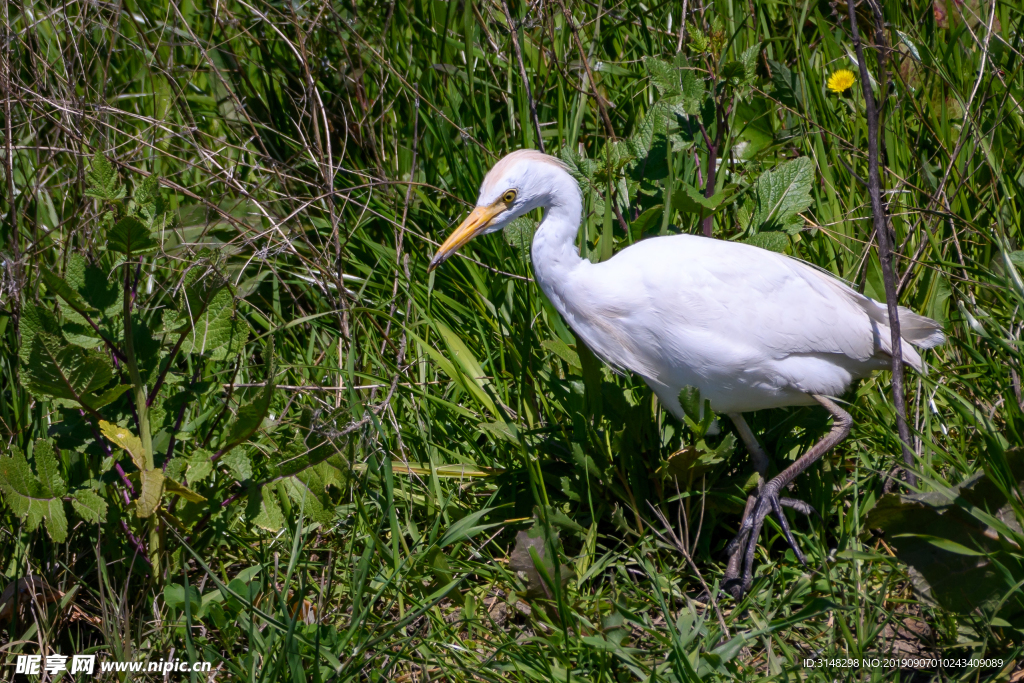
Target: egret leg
757, 453
768, 500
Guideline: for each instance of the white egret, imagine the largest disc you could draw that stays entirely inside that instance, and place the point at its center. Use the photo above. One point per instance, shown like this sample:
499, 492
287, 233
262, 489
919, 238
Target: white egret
750, 328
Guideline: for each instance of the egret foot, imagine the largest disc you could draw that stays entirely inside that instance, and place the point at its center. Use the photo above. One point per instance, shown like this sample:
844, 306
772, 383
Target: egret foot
742, 548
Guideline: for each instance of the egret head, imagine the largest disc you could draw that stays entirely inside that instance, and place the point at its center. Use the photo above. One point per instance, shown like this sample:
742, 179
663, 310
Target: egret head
518, 183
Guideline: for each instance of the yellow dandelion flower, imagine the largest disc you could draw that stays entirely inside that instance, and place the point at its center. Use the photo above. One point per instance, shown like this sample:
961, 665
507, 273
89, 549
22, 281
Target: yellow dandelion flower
841, 81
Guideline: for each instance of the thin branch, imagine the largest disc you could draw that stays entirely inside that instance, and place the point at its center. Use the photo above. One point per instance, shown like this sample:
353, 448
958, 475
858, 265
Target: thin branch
881, 225
514, 33
590, 74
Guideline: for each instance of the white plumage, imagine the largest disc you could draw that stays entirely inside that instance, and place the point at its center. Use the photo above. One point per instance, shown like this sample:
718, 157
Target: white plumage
750, 328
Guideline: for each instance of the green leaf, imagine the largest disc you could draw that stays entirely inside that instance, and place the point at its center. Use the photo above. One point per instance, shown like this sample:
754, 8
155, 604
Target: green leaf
786, 86
238, 463
153, 482
519, 235
207, 319
688, 199
945, 544
175, 595
89, 505
56, 285
782, 193
102, 180
199, 466
123, 438
93, 285
263, 509
772, 241
68, 374
664, 76
147, 200
562, 350
35, 320
31, 499
48, 469
689, 399
130, 237
185, 492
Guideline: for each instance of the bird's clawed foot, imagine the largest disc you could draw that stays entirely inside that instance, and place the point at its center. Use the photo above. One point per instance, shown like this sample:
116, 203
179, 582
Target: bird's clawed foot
742, 548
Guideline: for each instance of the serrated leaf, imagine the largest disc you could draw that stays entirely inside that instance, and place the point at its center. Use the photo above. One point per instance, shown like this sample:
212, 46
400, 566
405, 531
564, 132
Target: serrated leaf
62, 289
207, 319
102, 180
68, 374
238, 463
123, 438
89, 505
519, 235
48, 469
93, 284
153, 482
782, 193
35, 319
130, 237
147, 200
664, 76
199, 466
264, 510
772, 241
28, 498
688, 199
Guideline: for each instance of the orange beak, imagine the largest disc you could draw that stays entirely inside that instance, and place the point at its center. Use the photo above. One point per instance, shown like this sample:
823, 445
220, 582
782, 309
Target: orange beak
476, 222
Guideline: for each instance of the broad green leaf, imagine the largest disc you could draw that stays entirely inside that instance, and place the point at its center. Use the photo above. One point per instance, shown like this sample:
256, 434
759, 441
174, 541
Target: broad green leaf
782, 193
561, 349
238, 463
263, 508
31, 499
123, 438
35, 319
89, 505
130, 237
71, 375
519, 235
147, 200
688, 199
153, 482
773, 240
664, 76
199, 466
48, 469
175, 595
62, 289
102, 180
206, 319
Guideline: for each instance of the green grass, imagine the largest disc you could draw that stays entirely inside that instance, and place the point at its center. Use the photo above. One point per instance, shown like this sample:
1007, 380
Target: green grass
314, 155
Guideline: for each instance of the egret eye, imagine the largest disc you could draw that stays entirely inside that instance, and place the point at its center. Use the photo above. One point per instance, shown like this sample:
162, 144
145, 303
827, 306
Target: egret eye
509, 197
